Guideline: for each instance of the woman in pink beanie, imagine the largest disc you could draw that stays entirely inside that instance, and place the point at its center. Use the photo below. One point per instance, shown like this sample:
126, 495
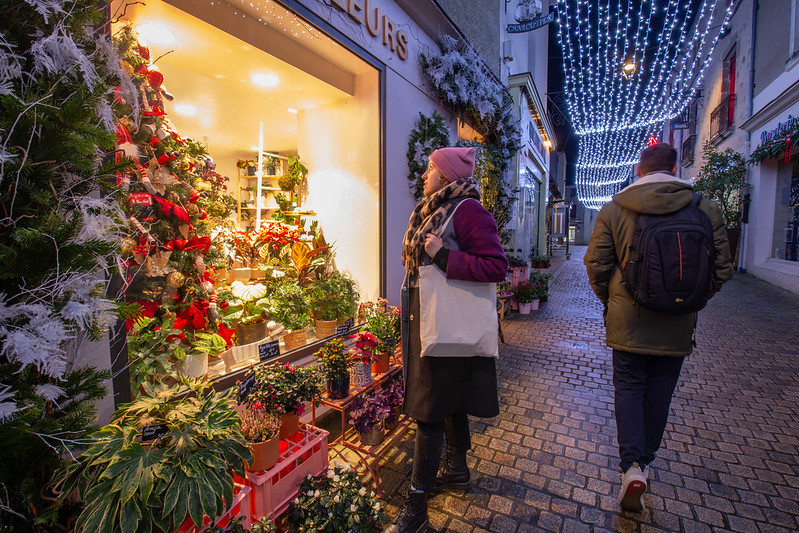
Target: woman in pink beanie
440, 392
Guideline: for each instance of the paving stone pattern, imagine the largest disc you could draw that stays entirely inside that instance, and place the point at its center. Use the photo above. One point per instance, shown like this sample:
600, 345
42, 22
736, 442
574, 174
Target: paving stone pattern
549, 461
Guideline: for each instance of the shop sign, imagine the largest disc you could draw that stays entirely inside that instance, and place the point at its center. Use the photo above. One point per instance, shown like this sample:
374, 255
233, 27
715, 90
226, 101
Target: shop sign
268, 350
781, 129
377, 24
532, 24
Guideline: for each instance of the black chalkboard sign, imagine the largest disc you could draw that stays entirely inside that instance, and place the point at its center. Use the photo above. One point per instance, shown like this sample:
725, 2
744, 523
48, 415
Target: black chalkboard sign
342, 330
154, 432
349, 322
268, 350
246, 387
389, 341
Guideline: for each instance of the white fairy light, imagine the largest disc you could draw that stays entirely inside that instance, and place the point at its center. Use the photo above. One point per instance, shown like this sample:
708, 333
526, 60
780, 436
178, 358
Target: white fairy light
615, 111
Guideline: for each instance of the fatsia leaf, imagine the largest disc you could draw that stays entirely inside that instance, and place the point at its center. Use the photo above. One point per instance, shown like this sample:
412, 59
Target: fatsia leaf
195, 504
131, 515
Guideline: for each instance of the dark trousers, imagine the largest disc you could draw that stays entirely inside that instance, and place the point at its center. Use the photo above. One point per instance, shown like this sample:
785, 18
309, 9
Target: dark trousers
643, 385
427, 450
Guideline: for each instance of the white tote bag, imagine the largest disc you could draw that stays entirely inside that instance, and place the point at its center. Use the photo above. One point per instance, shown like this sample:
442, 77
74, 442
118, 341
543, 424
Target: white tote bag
457, 318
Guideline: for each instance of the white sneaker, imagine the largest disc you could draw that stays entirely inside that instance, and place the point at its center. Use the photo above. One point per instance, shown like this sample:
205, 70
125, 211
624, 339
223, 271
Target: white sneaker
633, 486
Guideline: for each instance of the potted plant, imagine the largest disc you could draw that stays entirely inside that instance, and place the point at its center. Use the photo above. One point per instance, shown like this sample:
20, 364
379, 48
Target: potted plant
352, 297
247, 311
283, 388
151, 345
540, 261
288, 304
394, 396
363, 354
295, 175
330, 298
336, 364
193, 359
264, 525
261, 428
129, 484
541, 282
526, 293
333, 502
383, 321
367, 415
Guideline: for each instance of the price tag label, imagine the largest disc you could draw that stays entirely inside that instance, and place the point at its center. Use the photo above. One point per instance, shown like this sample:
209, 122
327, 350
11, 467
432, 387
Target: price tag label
349, 322
268, 350
154, 432
342, 330
246, 387
389, 341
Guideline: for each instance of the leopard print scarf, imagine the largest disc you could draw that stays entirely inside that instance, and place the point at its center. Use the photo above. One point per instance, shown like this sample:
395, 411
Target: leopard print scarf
430, 215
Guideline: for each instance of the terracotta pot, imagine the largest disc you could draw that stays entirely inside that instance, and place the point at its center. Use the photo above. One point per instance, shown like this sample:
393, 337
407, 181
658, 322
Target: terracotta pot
325, 328
289, 425
373, 437
264, 454
249, 333
381, 365
240, 274
338, 388
361, 374
296, 339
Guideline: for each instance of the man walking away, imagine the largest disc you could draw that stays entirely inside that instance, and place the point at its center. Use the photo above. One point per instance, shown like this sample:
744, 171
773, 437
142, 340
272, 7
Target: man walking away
648, 331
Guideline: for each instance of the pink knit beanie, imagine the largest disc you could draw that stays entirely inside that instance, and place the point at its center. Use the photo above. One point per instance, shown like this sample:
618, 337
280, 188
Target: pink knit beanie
454, 163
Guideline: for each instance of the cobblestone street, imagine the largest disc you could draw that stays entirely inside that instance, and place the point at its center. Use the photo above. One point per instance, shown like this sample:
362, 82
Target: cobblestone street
549, 461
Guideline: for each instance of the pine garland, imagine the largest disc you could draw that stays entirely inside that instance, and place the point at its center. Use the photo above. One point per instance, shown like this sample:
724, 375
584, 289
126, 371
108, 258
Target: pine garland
428, 134
776, 147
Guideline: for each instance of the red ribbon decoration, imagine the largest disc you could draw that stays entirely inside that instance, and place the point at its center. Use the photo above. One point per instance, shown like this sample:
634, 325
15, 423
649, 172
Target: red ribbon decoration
171, 209
196, 314
157, 111
166, 158
201, 244
123, 135
148, 310
788, 148
144, 52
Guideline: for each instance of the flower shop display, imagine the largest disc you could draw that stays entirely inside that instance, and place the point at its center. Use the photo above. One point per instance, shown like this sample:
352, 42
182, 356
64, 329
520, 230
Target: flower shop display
139, 471
288, 305
363, 354
333, 502
247, 310
284, 388
261, 428
335, 362
368, 415
383, 321
192, 361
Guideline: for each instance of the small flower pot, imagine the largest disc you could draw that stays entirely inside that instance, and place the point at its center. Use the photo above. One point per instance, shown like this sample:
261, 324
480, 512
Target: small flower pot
525, 307
373, 437
289, 425
325, 328
361, 374
249, 333
381, 365
264, 454
296, 339
338, 388
194, 365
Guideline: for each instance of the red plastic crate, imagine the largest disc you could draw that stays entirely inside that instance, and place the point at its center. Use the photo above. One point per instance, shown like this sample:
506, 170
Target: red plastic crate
239, 508
273, 489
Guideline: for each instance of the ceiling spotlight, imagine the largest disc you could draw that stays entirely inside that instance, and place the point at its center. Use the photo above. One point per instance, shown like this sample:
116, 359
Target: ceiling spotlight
155, 33
265, 80
292, 110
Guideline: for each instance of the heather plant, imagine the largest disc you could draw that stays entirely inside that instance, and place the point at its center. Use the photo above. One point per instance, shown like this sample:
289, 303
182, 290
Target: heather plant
259, 424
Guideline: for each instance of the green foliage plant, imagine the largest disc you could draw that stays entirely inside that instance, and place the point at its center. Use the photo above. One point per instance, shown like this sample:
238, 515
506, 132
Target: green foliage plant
333, 502
249, 303
334, 359
525, 292
333, 296
722, 178
383, 321
152, 342
289, 305
283, 388
427, 135
130, 486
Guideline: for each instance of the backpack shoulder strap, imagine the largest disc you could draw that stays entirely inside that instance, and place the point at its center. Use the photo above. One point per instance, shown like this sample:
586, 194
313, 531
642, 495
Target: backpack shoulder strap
696, 199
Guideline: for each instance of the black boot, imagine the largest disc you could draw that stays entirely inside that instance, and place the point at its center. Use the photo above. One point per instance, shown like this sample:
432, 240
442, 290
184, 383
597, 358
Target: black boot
453, 474
412, 517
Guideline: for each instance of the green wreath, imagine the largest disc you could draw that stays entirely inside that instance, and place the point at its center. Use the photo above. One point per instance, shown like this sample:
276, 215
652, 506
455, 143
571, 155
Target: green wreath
428, 134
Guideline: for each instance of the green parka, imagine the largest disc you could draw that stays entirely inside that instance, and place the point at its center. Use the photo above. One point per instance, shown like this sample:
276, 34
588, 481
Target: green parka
630, 327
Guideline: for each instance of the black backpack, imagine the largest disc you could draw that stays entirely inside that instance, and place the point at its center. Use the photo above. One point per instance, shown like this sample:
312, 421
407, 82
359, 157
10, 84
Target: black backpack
672, 261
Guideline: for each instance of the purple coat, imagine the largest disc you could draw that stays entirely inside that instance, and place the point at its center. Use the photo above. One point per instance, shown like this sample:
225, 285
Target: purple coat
437, 387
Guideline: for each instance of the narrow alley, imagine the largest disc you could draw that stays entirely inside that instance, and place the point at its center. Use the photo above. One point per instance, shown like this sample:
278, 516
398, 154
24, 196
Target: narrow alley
729, 461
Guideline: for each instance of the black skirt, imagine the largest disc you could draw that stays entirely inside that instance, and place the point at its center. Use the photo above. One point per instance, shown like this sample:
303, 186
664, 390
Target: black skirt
437, 387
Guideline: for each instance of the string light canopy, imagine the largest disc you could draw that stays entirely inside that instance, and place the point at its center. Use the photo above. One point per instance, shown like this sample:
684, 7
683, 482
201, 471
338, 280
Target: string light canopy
630, 66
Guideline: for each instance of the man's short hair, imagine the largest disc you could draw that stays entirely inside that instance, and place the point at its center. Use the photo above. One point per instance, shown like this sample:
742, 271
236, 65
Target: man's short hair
657, 158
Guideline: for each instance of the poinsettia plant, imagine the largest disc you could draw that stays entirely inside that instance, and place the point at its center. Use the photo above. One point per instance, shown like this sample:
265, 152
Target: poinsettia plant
366, 347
